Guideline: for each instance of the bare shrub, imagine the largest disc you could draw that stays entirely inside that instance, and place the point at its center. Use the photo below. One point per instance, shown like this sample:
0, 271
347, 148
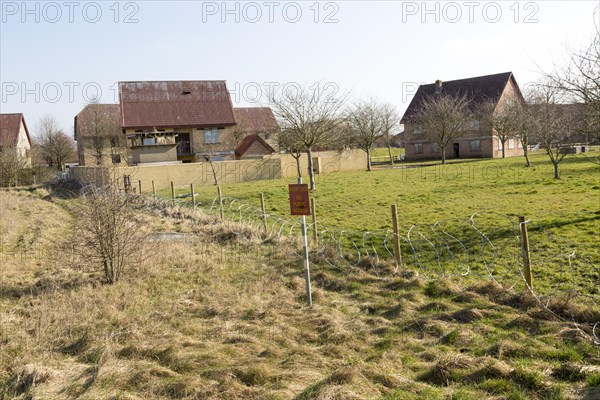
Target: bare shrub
110, 231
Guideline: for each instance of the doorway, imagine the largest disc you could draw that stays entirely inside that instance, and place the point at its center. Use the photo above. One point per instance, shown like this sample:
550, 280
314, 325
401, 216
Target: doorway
456, 150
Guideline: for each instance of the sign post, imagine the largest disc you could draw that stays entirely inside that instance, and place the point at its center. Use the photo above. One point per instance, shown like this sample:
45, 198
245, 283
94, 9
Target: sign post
300, 205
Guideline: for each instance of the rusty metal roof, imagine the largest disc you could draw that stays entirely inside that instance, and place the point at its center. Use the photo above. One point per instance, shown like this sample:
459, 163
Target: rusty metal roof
248, 141
172, 104
255, 119
10, 124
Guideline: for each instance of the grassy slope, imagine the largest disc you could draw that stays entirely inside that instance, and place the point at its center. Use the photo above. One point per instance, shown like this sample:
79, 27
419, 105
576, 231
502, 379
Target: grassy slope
221, 315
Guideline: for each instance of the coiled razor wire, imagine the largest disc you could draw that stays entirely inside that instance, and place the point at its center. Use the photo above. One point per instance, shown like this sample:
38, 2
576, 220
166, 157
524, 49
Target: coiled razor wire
485, 245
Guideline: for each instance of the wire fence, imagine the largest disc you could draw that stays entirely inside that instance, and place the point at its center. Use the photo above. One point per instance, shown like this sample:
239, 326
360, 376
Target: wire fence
482, 246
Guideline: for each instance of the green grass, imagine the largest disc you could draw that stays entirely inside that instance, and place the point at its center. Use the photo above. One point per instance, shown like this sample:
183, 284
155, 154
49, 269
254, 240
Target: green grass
361, 200
564, 214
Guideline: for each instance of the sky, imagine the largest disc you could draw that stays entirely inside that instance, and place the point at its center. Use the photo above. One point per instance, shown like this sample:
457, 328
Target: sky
56, 56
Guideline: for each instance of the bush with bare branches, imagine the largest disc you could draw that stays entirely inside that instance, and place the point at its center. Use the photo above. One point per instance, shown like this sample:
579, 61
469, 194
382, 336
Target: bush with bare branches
111, 233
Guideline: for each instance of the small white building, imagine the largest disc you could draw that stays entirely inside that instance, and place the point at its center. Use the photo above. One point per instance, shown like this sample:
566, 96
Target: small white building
14, 132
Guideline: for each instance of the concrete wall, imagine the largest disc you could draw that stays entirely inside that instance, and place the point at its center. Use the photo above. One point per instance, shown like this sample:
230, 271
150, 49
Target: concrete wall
87, 155
182, 175
154, 153
330, 161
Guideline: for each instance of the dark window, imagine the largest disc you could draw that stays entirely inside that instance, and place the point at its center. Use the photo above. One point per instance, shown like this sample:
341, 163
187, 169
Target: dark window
116, 159
475, 145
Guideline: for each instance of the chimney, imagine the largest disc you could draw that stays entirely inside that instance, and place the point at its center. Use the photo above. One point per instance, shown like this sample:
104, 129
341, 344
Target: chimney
438, 86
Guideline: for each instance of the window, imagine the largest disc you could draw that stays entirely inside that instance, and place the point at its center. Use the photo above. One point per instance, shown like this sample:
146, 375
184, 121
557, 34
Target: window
211, 135
418, 148
116, 159
519, 144
511, 144
417, 130
475, 145
434, 148
474, 125
113, 142
147, 141
499, 144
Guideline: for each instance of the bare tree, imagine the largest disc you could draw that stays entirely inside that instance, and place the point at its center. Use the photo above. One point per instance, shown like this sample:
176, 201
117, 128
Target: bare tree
214, 145
443, 118
370, 121
552, 123
12, 164
55, 146
288, 142
524, 126
579, 79
499, 119
390, 126
102, 132
313, 117
111, 233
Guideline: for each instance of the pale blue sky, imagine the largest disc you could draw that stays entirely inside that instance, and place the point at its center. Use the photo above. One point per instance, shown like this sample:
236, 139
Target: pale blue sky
379, 49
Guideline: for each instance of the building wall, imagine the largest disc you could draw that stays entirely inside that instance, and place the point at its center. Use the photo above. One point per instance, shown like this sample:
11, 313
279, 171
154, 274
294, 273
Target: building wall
226, 144
154, 153
87, 155
326, 161
224, 148
23, 145
489, 142
182, 175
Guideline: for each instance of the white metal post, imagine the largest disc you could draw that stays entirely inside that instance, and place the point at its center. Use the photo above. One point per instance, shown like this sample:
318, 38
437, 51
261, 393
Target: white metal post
305, 256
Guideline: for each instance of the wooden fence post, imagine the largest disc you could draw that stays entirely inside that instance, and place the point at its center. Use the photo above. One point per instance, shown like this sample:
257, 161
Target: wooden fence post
313, 212
221, 212
140, 186
193, 196
397, 252
263, 212
173, 192
525, 250
153, 190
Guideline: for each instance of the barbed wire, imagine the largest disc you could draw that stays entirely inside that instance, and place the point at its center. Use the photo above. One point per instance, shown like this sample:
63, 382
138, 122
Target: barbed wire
482, 246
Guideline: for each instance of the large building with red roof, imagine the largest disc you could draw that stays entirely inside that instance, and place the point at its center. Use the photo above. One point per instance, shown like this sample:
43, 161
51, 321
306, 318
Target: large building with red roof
182, 121
481, 141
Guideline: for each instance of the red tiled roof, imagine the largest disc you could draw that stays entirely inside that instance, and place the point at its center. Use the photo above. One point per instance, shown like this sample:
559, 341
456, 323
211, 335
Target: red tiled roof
84, 120
255, 119
168, 104
477, 90
248, 141
10, 125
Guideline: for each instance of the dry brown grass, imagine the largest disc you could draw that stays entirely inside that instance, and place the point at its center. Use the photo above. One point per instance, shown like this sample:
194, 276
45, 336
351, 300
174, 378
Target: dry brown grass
218, 312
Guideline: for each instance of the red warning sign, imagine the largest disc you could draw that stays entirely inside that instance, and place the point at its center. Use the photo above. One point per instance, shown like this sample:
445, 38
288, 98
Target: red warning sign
299, 199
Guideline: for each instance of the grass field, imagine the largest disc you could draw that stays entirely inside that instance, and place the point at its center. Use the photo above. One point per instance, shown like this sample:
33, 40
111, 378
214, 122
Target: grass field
218, 312
564, 214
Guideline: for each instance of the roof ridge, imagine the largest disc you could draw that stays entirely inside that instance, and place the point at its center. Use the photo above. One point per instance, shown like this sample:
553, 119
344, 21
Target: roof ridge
509, 73
191, 80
